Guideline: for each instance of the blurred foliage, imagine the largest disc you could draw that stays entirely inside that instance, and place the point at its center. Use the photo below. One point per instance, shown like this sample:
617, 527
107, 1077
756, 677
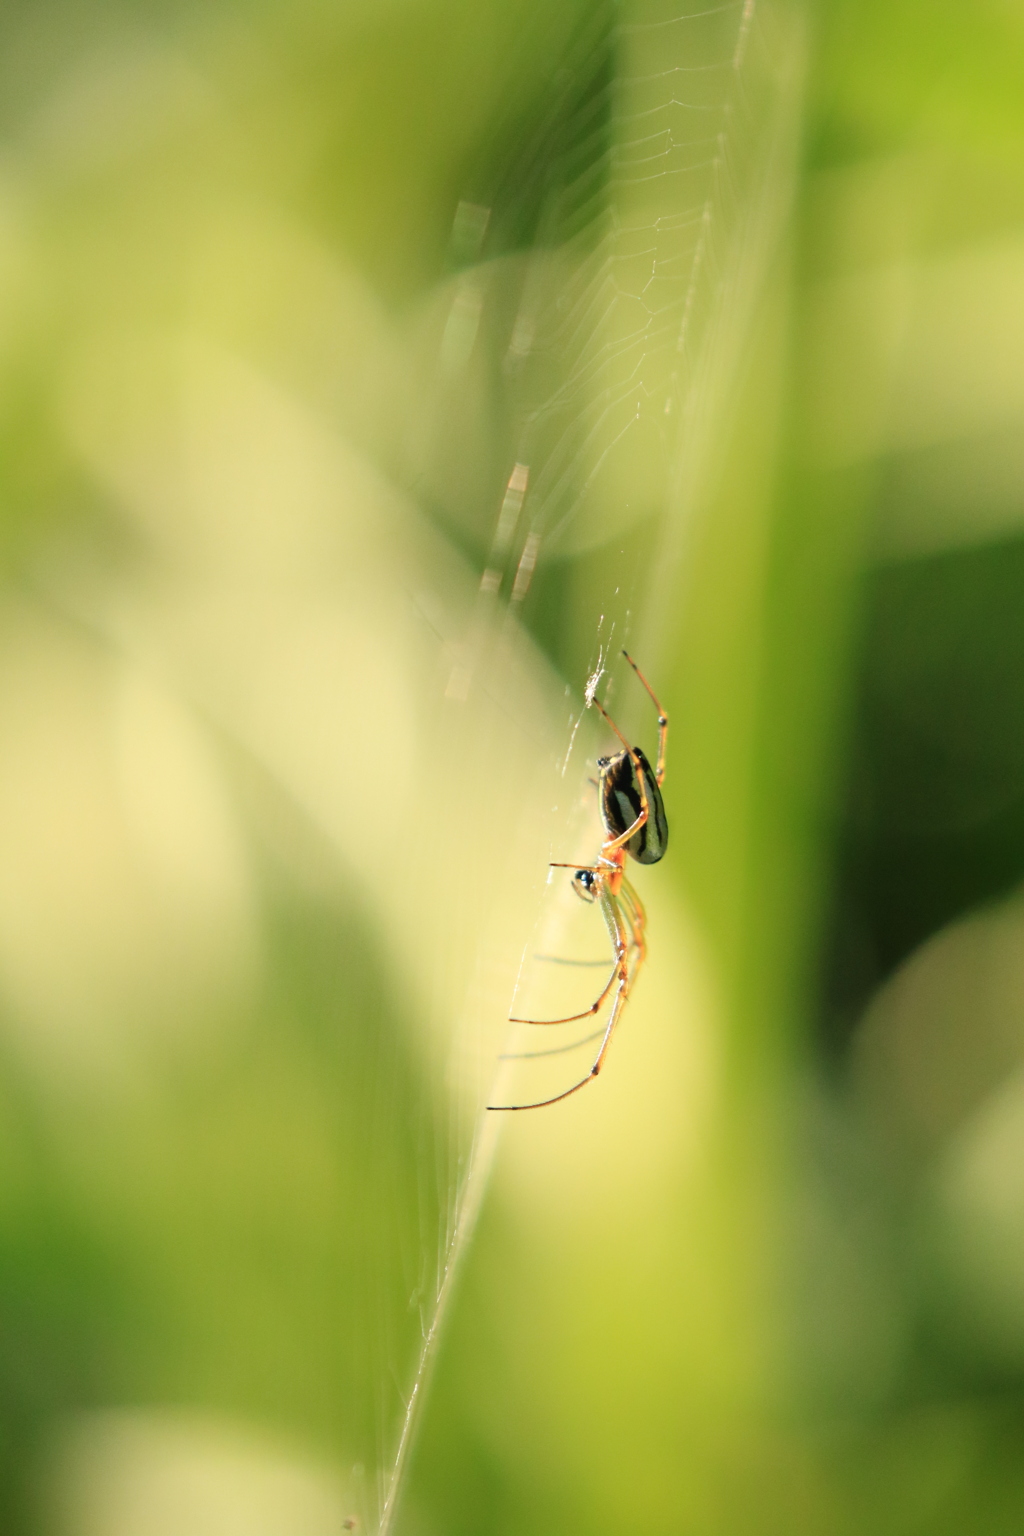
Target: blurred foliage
284, 747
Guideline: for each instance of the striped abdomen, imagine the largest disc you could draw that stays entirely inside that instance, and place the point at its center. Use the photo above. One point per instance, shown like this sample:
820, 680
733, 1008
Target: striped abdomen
621, 805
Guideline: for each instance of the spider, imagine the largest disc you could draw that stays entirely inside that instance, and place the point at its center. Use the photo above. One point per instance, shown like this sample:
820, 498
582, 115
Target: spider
629, 796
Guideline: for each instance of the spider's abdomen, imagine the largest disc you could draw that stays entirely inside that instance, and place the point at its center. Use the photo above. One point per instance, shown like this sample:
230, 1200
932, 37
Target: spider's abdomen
621, 805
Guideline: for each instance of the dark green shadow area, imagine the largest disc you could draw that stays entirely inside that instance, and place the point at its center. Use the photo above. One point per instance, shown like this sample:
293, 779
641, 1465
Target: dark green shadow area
932, 823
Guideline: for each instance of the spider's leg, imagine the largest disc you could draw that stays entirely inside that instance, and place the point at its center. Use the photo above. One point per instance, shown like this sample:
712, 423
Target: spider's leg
620, 945
636, 944
659, 772
588, 1013
608, 985
595, 1069
617, 926
612, 908
613, 844
637, 918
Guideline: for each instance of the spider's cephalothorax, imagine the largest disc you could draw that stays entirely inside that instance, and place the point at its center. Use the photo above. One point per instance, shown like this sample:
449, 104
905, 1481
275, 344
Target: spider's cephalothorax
584, 883
622, 802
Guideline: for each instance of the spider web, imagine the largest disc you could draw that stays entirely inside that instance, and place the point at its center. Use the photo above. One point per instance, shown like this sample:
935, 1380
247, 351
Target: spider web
651, 193
663, 148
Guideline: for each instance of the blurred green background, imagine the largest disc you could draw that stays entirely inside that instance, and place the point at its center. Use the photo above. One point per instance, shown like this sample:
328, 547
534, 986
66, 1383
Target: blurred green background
368, 377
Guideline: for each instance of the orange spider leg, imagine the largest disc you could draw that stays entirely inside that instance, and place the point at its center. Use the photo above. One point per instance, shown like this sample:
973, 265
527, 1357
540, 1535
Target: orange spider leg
610, 880
637, 921
610, 906
659, 772
571, 1018
613, 844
